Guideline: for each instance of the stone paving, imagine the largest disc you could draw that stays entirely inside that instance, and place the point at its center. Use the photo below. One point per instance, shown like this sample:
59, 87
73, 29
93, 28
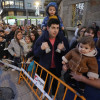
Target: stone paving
10, 79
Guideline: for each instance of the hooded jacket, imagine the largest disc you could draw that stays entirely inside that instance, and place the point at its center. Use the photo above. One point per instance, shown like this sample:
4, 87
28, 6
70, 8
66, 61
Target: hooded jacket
44, 23
80, 63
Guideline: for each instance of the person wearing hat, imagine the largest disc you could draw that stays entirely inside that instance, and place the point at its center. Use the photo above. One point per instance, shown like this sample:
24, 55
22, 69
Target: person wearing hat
51, 12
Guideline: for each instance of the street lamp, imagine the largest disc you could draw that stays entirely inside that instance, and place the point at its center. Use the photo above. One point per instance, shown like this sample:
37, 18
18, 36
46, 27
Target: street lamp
37, 3
37, 12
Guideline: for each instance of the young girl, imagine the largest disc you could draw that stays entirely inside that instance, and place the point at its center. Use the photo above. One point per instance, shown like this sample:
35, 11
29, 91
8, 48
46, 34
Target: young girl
34, 36
15, 48
27, 44
52, 12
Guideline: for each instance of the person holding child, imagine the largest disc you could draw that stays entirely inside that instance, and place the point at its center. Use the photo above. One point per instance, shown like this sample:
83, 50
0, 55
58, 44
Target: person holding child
58, 46
81, 60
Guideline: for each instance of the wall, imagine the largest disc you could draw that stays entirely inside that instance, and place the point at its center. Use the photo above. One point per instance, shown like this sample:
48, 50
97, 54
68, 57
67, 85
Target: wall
91, 13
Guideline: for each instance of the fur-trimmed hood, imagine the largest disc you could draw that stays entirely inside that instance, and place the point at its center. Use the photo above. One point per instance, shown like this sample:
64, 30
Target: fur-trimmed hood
93, 53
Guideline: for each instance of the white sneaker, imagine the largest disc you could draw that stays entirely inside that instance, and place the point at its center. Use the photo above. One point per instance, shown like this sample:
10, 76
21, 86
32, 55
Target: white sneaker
13, 70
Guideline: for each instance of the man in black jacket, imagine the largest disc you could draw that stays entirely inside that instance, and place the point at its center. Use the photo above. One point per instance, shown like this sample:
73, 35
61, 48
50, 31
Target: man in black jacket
50, 47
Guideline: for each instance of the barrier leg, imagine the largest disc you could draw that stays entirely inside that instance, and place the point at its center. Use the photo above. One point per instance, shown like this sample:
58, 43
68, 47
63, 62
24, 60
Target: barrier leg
20, 78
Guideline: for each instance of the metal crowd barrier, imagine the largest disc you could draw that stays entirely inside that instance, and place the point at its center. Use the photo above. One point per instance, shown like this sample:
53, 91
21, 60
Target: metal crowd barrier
40, 83
37, 81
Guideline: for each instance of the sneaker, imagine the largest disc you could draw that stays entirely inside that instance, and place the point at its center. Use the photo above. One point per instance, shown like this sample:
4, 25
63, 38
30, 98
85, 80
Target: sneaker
13, 70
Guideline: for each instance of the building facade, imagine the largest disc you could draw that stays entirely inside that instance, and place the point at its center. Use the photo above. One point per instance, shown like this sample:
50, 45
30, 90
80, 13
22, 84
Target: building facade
75, 12
83, 12
22, 11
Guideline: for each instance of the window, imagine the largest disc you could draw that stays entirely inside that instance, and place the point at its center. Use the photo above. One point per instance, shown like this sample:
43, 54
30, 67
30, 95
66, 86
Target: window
11, 4
10, 13
31, 14
7, 4
77, 13
21, 4
3, 4
29, 5
20, 13
16, 4
40, 7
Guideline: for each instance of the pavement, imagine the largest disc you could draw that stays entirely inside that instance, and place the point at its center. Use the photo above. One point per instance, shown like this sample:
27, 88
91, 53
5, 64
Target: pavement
9, 78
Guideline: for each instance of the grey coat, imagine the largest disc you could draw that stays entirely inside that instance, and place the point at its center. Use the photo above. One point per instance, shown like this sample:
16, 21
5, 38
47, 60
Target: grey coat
15, 48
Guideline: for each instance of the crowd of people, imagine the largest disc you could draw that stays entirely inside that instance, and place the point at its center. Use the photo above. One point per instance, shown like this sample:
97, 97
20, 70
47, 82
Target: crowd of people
78, 58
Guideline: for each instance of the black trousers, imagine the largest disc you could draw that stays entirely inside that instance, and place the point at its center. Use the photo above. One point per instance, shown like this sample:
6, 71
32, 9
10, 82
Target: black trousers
17, 62
78, 86
55, 82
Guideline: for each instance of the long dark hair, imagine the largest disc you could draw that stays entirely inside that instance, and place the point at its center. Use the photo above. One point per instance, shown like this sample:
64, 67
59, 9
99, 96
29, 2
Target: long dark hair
29, 37
80, 30
35, 34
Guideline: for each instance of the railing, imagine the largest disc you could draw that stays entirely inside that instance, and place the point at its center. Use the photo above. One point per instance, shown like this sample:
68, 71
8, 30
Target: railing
40, 83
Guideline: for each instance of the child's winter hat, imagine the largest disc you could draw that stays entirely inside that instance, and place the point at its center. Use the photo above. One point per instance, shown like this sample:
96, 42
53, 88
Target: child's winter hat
54, 17
52, 4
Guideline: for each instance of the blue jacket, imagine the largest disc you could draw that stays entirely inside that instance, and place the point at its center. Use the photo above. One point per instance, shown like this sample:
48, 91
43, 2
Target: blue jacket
45, 58
44, 23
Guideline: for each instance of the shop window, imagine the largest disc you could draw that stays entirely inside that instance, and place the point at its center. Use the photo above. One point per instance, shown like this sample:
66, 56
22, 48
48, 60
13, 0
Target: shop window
77, 13
31, 14
20, 13
10, 13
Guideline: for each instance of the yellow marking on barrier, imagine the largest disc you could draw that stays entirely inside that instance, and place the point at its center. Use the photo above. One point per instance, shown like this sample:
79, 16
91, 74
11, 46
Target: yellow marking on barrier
36, 90
36, 68
32, 85
75, 97
45, 80
50, 85
65, 93
56, 90
31, 88
22, 75
27, 77
41, 72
